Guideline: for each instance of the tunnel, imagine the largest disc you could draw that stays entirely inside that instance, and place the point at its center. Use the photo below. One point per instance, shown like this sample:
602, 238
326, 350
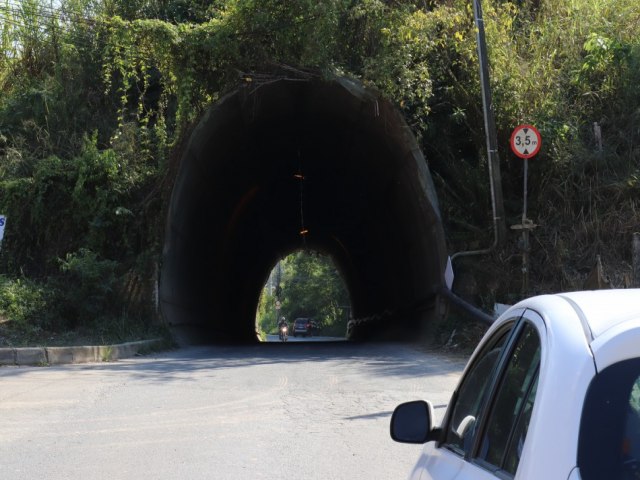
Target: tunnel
286, 163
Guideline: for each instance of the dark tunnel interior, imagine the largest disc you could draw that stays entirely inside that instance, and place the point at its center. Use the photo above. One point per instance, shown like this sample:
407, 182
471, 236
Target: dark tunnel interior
293, 164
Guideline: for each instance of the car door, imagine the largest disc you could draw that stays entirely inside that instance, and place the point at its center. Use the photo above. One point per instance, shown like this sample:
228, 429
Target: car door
485, 427
444, 461
503, 426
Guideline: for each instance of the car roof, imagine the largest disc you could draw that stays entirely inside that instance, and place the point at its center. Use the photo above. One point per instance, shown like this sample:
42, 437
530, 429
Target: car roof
604, 309
609, 319
598, 310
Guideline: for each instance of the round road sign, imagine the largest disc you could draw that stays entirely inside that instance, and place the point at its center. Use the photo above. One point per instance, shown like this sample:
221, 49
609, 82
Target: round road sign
526, 141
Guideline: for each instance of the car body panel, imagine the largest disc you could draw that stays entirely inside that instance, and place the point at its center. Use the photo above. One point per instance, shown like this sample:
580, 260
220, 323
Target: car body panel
619, 343
581, 333
437, 464
566, 367
471, 470
575, 474
603, 309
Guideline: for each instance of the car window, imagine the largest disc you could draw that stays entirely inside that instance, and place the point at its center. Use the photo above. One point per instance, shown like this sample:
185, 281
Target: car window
508, 421
609, 442
468, 401
520, 432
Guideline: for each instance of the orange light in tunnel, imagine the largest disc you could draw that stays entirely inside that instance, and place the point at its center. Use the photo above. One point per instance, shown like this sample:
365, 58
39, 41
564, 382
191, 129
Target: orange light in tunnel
304, 231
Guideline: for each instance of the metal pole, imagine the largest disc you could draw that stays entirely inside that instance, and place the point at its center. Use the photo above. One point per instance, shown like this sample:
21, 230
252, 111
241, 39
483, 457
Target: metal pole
525, 261
497, 202
524, 196
495, 177
525, 234
458, 302
635, 260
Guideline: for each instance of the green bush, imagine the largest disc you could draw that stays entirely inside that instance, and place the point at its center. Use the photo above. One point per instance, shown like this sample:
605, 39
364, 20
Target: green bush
83, 293
22, 301
86, 289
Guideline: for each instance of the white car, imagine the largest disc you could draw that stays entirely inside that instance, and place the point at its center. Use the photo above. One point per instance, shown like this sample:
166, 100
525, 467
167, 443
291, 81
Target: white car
551, 392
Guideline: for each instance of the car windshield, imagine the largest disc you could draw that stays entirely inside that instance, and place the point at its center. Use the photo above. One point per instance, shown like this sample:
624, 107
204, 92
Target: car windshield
609, 445
301, 322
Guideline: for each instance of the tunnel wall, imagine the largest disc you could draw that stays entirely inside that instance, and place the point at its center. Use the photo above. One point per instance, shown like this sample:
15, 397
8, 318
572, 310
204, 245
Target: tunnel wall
236, 208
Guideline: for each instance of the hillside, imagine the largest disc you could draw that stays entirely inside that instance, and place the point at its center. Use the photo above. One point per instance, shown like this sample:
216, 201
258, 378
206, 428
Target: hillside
98, 98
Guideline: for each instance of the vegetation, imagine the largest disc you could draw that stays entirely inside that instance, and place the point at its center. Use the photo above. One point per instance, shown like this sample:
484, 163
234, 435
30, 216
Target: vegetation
96, 97
307, 285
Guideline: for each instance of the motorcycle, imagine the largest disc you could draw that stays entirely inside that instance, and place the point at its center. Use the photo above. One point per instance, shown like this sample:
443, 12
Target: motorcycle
284, 333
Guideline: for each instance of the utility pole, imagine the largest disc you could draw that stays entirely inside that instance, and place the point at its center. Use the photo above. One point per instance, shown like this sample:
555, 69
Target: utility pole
495, 177
635, 260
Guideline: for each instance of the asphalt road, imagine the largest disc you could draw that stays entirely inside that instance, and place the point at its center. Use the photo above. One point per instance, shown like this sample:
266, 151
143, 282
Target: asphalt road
295, 410
314, 338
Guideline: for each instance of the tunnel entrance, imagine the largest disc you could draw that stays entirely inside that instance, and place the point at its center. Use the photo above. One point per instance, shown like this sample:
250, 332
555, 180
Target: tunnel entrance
283, 164
305, 284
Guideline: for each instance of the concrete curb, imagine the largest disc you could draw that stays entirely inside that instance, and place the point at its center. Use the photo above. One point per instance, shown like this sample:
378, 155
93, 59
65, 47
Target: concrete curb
80, 354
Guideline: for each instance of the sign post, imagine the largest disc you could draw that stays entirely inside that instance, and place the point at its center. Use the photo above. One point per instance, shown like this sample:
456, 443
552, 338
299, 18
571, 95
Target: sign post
525, 143
278, 305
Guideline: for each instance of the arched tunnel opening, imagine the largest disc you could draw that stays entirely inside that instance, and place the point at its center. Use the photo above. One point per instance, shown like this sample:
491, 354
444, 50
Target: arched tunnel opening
302, 163
304, 288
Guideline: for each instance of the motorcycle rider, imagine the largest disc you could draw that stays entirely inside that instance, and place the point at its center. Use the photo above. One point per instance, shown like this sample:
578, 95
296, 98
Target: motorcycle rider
282, 323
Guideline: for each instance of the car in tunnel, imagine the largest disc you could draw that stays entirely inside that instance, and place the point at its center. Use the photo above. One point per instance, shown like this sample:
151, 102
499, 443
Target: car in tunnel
552, 391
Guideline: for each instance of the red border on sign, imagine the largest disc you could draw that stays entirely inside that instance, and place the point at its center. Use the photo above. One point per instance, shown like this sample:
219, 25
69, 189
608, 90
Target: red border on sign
515, 150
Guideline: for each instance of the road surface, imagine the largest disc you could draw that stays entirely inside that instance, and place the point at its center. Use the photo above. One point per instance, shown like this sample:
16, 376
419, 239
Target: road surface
313, 338
295, 410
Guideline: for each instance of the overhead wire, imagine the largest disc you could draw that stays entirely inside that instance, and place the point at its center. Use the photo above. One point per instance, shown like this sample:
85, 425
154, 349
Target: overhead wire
304, 231
61, 14
16, 16
13, 14
38, 34
45, 11
45, 23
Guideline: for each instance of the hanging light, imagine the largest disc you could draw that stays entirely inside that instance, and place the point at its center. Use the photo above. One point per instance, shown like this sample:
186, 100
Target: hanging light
304, 231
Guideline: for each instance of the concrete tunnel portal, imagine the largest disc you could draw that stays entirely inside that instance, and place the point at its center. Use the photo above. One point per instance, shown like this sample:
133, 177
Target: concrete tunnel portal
302, 163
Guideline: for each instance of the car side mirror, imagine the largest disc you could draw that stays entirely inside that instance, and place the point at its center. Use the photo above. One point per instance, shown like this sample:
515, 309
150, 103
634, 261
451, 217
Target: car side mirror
411, 423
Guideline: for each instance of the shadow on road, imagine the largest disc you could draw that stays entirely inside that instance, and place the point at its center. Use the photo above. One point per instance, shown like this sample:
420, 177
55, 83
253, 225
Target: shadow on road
380, 359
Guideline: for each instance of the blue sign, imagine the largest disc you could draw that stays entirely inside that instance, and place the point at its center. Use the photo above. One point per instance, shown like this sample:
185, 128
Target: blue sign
3, 221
